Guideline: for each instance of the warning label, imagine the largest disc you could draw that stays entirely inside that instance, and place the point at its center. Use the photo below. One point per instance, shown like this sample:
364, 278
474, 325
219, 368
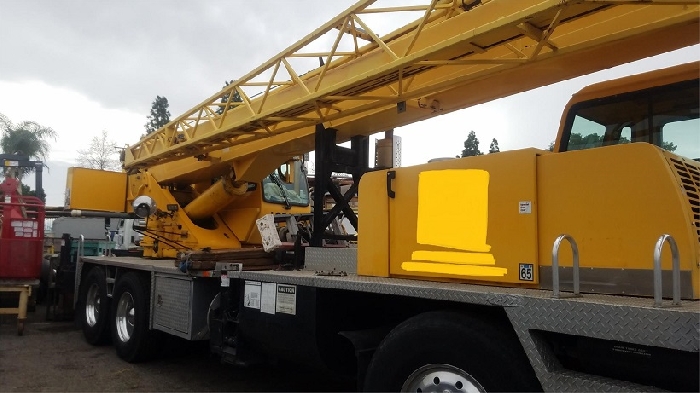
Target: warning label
286, 299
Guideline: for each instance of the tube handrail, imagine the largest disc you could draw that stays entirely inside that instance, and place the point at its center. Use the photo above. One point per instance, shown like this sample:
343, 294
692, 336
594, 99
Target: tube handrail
81, 248
676, 273
555, 265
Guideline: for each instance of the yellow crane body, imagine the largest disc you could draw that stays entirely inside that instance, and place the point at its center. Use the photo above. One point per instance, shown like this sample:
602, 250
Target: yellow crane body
493, 218
447, 288
614, 201
452, 57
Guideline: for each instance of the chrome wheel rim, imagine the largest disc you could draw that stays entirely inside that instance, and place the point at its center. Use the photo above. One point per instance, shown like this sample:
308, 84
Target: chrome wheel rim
125, 317
92, 305
441, 378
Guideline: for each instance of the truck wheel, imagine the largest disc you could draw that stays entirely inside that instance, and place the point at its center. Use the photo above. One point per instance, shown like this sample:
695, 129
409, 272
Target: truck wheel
132, 338
94, 305
449, 352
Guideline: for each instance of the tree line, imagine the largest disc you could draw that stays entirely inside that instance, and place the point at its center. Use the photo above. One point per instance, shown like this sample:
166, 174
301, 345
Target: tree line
577, 141
471, 146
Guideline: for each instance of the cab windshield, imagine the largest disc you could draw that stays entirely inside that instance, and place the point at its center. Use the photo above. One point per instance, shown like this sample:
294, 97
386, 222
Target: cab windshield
666, 117
287, 185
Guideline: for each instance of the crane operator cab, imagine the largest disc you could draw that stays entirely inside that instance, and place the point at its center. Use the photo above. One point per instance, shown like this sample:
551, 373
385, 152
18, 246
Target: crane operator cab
665, 116
287, 185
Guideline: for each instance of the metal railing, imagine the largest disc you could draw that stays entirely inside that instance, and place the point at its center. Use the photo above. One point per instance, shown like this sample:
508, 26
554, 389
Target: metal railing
81, 249
555, 266
676, 273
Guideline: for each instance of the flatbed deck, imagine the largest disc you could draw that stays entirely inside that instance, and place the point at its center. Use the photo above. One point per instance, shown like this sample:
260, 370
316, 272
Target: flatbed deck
625, 319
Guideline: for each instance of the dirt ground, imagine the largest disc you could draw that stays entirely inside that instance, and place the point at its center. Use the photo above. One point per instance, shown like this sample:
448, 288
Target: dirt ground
53, 356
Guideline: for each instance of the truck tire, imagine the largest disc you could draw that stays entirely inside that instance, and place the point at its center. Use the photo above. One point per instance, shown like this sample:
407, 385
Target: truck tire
449, 351
132, 338
94, 307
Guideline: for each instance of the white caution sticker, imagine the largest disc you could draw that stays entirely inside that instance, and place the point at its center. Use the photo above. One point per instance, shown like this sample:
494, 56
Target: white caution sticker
286, 299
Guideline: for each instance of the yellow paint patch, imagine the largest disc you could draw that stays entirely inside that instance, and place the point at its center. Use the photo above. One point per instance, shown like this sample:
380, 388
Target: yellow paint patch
460, 270
453, 209
459, 258
453, 213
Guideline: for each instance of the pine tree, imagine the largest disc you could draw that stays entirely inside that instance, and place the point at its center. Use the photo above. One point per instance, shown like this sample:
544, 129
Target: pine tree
159, 116
471, 146
494, 146
225, 98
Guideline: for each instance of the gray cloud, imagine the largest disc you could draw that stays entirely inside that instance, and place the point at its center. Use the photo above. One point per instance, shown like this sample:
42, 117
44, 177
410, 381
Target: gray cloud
122, 54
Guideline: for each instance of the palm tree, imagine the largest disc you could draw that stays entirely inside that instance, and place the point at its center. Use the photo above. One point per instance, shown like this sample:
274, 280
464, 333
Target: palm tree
26, 138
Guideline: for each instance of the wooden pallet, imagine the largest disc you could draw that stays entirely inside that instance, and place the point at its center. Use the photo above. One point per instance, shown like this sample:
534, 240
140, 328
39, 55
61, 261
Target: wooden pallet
251, 259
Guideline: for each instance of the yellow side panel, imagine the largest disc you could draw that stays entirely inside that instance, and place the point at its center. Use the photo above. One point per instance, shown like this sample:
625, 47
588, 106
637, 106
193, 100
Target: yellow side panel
469, 219
616, 202
373, 234
93, 189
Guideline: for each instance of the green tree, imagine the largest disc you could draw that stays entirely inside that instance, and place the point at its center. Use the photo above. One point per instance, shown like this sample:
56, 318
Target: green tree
225, 98
471, 146
29, 192
159, 116
578, 141
494, 146
670, 146
102, 154
26, 138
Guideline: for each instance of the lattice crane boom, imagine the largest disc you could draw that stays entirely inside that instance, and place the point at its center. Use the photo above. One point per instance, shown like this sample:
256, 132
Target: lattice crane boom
502, 45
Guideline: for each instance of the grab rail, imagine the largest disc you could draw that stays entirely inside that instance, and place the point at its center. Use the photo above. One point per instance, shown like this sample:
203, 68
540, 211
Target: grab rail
555, 265
676, 273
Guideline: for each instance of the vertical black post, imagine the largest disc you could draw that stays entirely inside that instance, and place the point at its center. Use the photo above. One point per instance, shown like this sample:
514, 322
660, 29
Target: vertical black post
333, 158
321, 179
360, 144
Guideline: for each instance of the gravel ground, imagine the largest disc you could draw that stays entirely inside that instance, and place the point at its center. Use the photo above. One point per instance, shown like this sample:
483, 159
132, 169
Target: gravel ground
53, 356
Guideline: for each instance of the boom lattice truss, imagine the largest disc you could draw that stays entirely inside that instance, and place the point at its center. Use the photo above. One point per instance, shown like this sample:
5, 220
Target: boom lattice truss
453, 43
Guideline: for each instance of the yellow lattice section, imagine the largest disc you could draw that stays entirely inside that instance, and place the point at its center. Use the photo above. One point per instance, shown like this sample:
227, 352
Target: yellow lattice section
365, 79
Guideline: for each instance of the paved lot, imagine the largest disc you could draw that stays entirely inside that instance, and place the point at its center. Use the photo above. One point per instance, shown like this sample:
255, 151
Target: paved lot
52, 356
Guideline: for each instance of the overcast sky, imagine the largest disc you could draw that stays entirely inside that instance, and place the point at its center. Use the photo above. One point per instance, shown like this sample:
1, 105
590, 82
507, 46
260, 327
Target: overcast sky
85, 66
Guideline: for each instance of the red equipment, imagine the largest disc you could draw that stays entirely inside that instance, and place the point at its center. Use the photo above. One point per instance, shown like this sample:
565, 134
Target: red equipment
21, 233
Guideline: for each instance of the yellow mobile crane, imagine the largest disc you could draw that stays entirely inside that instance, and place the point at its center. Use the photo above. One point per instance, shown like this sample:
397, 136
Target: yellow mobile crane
452, 285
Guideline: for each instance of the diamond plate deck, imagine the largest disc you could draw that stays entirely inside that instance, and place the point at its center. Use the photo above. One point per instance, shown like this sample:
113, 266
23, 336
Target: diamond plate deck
327, 259
620, 318
627, 319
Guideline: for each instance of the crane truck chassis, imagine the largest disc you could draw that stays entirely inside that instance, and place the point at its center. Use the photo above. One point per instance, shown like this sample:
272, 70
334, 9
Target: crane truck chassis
401, 333
451, 285
506, 339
